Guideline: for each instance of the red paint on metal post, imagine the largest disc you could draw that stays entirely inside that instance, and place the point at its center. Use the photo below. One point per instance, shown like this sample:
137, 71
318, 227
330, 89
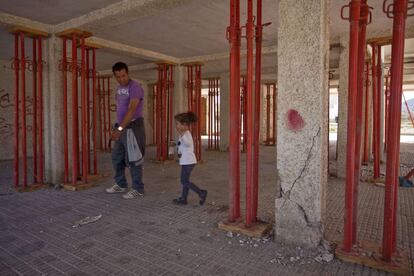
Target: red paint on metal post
234, 143
23, 99
40, 109
35, 105
171, 101
375, 131
109, 109
75, 136
249, 85
399, 14
354, 18
274, 114
257, 91
84, 114
16, 111
88, 111
267, 113
364, 13
366, 123
65, 115
94, 115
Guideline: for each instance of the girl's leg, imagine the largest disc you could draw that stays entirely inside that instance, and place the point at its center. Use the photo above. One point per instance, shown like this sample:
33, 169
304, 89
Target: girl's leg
185, 181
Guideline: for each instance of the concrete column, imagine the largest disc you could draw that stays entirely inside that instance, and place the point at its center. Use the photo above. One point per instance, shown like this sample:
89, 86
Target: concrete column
53, 114
303, 62
224, 111
343, 106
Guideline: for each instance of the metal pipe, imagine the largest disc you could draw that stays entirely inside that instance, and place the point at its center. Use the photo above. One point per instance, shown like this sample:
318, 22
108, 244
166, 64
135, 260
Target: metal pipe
40, 109
16, 112
366, 123
88, 111
109, 109
274, 114
364, 13
171, 101
375, 131
257, 91
94, 115
35, 104
249, 85
99, 107
267, 113
65, 115
354, 7
83, 119
234, 143
164, 114
23, 99
399, 11
75, 136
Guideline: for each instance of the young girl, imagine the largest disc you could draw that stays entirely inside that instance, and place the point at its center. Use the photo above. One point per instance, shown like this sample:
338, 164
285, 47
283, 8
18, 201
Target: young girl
187, 157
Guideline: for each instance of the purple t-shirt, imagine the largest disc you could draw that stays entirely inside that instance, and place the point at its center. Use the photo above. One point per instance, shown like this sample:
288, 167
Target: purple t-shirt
123, 95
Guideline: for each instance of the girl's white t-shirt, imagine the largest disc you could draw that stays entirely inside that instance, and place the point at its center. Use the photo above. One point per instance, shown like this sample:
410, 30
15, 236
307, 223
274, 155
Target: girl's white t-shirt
186, 149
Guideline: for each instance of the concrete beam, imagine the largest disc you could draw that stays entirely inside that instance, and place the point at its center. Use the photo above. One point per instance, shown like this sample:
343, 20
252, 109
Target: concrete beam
118, 13
7, 20
131, 50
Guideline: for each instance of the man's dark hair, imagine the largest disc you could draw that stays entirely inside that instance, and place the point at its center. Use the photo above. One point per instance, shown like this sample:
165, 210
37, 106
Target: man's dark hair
119, 66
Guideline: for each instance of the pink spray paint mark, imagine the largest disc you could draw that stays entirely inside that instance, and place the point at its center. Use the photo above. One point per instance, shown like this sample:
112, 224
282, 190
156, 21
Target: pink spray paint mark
294, 120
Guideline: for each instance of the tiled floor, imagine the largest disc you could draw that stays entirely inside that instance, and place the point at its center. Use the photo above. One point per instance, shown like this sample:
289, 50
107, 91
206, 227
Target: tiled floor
151, 236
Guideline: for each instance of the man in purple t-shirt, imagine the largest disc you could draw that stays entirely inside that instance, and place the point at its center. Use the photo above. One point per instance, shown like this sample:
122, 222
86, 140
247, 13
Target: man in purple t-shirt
129, 124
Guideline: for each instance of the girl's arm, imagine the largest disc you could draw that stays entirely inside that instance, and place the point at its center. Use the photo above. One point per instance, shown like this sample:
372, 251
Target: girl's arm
186, 139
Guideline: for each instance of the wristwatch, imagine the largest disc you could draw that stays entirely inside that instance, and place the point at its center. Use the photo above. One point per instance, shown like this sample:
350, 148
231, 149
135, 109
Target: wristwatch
120, 129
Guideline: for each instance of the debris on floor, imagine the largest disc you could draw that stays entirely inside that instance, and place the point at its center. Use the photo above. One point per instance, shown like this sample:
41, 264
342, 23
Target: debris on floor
86, 220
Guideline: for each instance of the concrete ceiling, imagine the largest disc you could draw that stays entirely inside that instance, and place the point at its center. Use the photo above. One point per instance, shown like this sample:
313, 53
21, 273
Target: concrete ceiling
167, 29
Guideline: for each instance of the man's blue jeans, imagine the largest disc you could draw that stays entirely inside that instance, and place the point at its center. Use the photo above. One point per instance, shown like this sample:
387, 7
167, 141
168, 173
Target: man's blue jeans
119, 164
119, 161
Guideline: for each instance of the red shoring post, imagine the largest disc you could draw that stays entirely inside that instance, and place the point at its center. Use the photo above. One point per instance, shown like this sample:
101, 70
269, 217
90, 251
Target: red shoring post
35, 104
23, 99
274, 133
399, 13
154, 95
209, 115
40, 108
103, 98
387, 104
379, 104
171, 102
354, 17
164, 112
65, 114
245, 115
88, 111
233, 35
199, 83
16, 111
217, 114
256, 112
95, 111
214, 95
366, 123
375, 96
99, 108
109, 110
364, 14
267, 114
158, 108
249, 85
75, 136
84, 113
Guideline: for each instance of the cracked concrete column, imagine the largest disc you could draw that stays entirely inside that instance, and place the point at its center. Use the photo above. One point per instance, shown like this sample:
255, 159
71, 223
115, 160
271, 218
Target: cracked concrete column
224, 112
303, 64
53, 106
343, 106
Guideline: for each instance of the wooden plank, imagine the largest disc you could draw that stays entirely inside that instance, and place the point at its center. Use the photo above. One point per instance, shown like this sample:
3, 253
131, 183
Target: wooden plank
381, 41
29, 32
31, 188
368, 254
69, 32
192, 63
92, 45
162, 62
257, 230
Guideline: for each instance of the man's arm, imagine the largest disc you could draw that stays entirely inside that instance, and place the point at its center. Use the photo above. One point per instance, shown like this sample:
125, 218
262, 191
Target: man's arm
133, 105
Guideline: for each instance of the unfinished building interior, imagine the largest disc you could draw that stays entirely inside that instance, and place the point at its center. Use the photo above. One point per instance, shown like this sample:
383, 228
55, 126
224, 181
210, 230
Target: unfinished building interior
303, 139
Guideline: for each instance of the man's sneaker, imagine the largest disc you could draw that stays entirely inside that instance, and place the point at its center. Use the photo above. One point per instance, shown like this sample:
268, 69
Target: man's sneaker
115, 189
132, 194
203, 196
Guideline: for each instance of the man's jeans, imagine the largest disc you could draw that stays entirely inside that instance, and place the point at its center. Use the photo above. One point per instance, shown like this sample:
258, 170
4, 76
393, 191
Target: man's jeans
119, 159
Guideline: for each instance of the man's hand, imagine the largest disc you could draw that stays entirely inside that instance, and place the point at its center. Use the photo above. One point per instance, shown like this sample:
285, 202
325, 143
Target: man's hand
115, 135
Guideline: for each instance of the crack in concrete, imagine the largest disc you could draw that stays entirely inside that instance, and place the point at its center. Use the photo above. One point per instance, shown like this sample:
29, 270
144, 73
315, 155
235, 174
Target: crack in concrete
286, 194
